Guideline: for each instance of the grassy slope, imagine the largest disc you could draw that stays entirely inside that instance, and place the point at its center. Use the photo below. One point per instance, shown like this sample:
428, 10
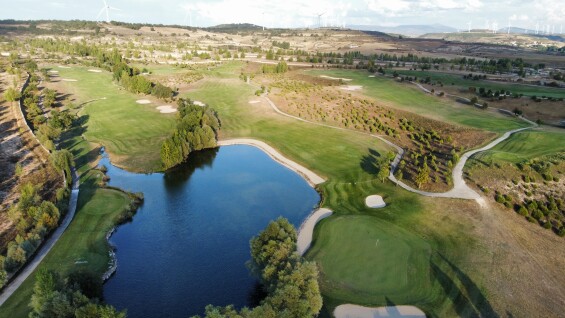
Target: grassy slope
526, 145
458, 80
132, 133
84, 240
410, 98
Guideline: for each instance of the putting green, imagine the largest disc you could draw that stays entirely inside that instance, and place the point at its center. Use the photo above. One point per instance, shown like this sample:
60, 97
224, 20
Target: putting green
371, 258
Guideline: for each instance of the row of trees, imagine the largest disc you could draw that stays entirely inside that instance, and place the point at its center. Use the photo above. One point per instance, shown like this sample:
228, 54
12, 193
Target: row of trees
34, 217
132, 80
290, 281
197, 129
281, 67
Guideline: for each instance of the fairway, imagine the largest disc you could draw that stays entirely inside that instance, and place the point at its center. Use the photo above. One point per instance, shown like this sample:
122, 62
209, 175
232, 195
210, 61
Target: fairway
514, 88
410, 98
132, 133
82, 246
526, 145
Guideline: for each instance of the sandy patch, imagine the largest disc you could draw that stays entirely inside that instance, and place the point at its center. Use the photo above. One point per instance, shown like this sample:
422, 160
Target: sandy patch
61, 66
371, 75
198, 103
254, 102
375, 201
336, 78
307, 229
53, 72
68, 80
351, 87
355, 311
166, 109
95, 71
143, 101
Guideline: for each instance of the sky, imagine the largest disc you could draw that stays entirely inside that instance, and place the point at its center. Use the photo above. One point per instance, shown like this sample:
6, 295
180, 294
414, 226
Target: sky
300, 13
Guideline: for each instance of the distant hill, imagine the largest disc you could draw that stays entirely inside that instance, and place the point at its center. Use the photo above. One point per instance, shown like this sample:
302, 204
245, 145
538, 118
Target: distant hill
236, 27
409, 30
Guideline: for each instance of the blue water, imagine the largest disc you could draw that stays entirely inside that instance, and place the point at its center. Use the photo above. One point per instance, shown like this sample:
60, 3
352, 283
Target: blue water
188, 243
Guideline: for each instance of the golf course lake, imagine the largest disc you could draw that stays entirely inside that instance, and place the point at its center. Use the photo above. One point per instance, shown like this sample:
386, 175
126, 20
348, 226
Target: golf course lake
188, 243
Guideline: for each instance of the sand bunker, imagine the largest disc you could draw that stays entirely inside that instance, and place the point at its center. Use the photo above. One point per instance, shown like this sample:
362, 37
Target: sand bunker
53, 72
166, 109
307, 229
198, 103
375, 201
336, 78
95, 71
351, 87
61, 66
355, 311
143, 101
254, 102
371, 75
68, 80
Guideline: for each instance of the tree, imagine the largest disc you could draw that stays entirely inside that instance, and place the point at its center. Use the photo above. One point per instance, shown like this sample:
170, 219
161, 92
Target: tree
423, 176
12, 95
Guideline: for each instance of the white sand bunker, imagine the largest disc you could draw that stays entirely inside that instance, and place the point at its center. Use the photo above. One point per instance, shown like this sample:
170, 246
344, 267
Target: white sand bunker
336, 78
53, 72
375, 201
371, 75
95, 71
307, 229
254, 102
68, 80
143, 101
166, 109
355, 311
61, 66
351, 87
198, 103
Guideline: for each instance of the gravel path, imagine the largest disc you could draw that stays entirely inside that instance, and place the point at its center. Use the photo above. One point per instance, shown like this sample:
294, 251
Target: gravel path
460, 189
46, 247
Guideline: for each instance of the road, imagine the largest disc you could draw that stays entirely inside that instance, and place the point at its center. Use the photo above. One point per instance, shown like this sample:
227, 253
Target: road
46, 247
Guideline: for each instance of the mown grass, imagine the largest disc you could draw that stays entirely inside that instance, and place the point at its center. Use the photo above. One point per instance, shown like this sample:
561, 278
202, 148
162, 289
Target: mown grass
83, 246
524, 146
406, 271
132, 133
458, 80
346, 159
412, 99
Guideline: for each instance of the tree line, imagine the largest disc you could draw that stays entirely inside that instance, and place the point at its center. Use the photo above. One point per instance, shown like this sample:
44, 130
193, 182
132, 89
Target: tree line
197, 129
290, 281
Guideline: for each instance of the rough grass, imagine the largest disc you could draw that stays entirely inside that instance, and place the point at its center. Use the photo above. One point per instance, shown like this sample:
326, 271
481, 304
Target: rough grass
132, 133
83, 241
412, 99
525, 145
458, 80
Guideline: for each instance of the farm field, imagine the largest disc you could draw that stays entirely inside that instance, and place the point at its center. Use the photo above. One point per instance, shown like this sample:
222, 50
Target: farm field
411, 99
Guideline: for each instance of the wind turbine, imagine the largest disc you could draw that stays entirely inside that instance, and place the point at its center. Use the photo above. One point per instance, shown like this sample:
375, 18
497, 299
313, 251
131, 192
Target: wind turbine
469, 25
106, 8
508, 32
320, 19
188, 15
